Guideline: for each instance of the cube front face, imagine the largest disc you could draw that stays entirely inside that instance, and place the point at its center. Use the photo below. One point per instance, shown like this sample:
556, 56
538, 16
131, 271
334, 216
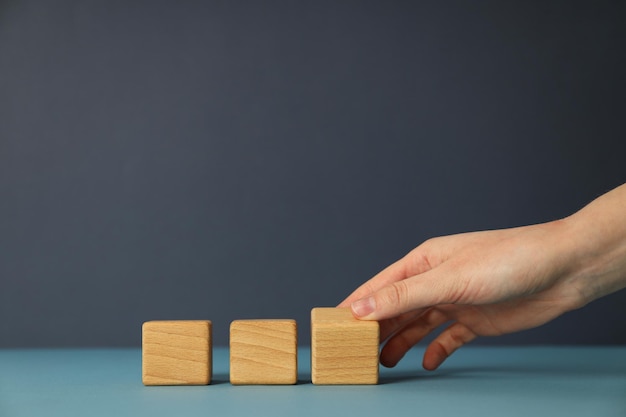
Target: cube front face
176, 352
344, 350
263, 352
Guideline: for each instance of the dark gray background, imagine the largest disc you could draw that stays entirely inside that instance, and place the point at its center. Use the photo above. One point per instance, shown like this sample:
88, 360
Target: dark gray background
225, 160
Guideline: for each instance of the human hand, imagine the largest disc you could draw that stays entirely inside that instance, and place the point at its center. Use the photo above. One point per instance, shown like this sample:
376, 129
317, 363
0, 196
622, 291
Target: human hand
484, 283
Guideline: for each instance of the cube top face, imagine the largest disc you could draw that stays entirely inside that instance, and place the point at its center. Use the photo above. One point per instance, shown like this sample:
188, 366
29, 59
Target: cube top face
334, 316
344, 350
263, 352
176, 352
287, 325
182, 327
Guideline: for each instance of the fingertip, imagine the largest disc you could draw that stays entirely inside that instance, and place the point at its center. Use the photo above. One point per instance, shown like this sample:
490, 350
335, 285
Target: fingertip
433, 357
440, 349
389, 359
363, 308
388, 363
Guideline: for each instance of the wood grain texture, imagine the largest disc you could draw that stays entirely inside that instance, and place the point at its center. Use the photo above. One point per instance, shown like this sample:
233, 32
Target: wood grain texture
344, 350
263, 352
176, 352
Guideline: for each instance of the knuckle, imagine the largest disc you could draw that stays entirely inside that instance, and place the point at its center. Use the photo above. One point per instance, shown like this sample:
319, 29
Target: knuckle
397, 294
456, 338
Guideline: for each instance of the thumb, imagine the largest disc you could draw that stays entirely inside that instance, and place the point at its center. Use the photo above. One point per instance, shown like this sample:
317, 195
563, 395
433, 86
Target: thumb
413, 293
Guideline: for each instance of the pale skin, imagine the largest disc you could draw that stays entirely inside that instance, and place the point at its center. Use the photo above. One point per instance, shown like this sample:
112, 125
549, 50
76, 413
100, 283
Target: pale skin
495, 282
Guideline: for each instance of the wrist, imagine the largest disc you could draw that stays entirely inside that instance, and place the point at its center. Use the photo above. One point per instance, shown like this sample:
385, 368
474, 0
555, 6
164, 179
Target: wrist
596, 238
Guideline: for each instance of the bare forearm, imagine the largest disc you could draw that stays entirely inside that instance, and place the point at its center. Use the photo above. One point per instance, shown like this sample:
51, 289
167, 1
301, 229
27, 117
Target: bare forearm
598, 233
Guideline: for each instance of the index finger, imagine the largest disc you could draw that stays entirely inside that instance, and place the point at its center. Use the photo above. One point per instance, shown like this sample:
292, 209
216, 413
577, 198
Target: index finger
392, 273
425, 257
414, 263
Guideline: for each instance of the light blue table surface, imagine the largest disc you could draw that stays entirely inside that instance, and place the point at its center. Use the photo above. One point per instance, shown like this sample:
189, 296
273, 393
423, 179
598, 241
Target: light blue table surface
476, 381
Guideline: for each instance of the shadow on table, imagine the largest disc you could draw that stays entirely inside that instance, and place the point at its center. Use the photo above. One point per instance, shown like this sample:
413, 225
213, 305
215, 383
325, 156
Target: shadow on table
221, 378
224, 378
491, 371
488, 371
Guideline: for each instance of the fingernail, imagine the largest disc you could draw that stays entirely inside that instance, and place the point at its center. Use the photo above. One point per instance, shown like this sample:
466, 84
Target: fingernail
364, 306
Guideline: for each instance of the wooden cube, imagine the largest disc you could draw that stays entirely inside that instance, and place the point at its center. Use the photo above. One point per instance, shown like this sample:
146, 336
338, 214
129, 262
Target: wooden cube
344, 350
176, 352
263, 352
